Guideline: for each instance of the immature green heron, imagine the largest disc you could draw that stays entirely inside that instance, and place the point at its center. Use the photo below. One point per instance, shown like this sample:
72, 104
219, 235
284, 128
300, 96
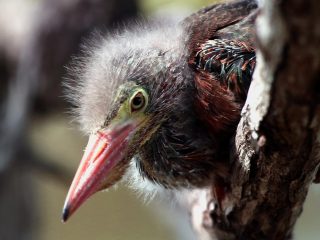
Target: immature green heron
161, 102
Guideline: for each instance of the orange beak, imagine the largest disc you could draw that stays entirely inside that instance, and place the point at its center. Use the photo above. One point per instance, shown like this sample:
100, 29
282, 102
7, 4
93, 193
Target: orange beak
99, 167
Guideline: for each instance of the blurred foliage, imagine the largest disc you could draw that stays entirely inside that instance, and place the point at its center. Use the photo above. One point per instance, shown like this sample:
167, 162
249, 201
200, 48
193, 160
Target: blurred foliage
154, 5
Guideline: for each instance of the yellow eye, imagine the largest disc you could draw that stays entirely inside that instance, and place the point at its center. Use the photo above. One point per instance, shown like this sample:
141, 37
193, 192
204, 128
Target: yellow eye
138, 101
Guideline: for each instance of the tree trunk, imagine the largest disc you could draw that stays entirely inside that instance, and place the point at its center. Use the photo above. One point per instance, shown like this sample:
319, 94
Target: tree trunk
276, 154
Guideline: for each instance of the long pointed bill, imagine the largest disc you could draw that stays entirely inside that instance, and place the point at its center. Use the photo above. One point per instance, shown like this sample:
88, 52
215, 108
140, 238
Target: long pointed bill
103, 154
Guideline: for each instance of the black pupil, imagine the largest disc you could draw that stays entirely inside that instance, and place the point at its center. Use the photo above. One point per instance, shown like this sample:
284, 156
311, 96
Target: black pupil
137, 101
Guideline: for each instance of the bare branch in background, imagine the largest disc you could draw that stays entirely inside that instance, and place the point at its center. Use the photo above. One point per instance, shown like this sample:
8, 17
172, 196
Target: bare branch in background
34, 84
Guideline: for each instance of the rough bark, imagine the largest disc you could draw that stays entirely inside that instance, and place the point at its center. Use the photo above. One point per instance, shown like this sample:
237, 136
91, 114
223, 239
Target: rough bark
277, 142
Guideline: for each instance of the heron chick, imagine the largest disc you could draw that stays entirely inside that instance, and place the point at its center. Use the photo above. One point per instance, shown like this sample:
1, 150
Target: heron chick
160, 102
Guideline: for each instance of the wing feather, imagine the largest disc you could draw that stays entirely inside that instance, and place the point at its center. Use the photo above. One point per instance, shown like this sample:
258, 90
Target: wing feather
221, 44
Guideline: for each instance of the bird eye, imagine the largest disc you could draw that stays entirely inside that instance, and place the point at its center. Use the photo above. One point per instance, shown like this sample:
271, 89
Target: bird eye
138, 102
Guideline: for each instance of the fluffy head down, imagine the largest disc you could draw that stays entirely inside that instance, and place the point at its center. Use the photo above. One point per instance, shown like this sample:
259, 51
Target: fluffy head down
108, 62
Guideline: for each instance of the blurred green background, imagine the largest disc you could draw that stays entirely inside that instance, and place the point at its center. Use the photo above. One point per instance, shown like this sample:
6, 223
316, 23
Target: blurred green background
116, 214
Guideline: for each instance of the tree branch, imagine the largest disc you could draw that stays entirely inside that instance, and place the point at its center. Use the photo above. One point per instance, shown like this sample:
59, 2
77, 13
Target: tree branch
277, 140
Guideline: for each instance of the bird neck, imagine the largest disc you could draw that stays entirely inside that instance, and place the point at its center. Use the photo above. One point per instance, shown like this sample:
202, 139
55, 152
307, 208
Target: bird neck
181, 153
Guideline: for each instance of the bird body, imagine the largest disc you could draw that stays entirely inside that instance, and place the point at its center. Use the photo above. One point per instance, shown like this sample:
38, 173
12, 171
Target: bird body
161, 102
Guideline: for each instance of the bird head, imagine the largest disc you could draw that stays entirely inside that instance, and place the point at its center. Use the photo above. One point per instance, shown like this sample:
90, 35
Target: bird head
123, 94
